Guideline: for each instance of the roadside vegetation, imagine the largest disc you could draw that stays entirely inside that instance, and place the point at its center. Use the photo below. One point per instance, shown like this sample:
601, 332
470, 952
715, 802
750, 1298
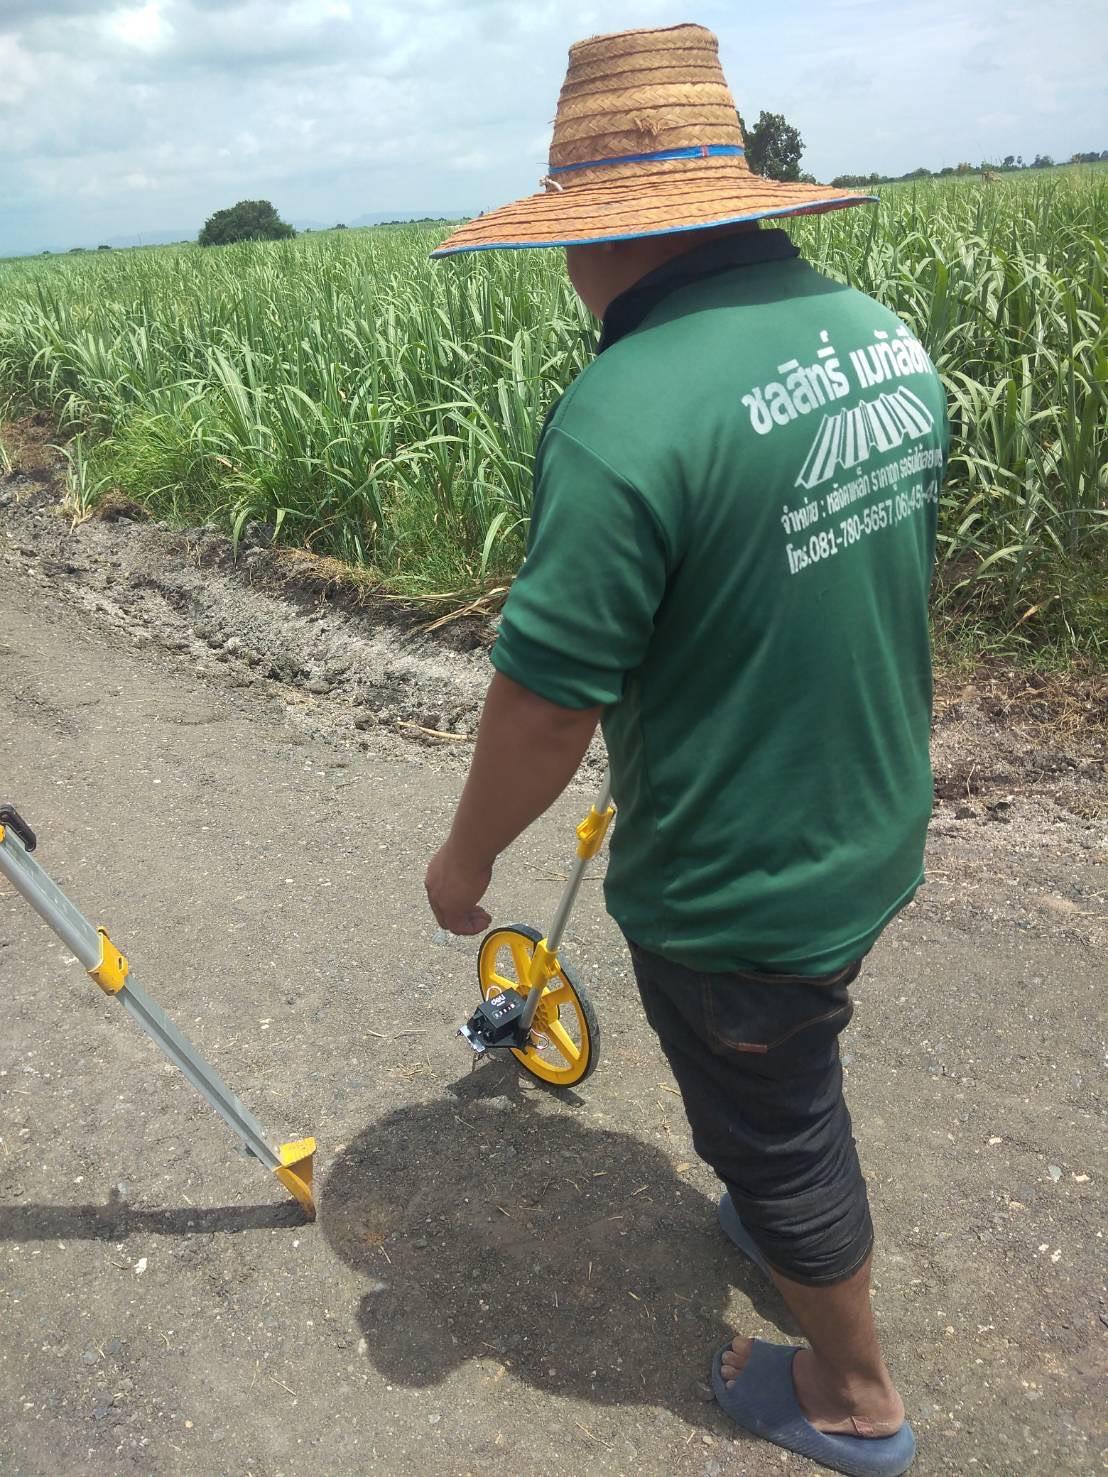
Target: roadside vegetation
376, 407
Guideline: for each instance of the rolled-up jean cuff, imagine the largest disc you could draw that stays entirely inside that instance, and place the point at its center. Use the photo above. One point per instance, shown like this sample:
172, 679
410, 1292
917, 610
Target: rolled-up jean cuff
797, 1263
818, 1235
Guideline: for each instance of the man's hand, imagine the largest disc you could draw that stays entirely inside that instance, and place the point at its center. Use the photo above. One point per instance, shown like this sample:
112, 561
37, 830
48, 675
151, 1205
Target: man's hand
454, 888
527, 752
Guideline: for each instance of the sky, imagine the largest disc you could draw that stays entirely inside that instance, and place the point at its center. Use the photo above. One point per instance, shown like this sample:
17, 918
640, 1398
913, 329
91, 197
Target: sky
124, 119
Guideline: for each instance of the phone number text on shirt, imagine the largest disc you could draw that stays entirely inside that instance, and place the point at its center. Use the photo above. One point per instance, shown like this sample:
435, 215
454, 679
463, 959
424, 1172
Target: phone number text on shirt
880, 515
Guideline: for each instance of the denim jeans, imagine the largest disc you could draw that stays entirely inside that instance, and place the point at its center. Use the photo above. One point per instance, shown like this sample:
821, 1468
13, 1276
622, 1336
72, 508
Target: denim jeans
756, 1057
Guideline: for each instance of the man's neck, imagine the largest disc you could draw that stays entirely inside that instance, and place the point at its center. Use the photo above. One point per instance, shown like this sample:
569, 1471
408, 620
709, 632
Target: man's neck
649, 253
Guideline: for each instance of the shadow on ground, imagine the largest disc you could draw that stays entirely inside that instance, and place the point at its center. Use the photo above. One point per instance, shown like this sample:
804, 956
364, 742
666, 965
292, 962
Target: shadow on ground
117, 1220
493, 1225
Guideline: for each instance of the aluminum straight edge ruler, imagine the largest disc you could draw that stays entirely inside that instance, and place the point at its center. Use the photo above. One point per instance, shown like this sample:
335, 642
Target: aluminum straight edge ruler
291, 1162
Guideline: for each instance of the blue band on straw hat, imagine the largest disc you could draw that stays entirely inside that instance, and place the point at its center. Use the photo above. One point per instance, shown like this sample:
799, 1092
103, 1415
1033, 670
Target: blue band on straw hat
697, 151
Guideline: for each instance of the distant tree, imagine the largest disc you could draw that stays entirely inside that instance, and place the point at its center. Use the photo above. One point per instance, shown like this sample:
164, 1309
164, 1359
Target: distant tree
1019, 161
920, 173
74, 250
1042, 161
249, 220
773, 147
103, 248
339, 227
1009, 161
965, 168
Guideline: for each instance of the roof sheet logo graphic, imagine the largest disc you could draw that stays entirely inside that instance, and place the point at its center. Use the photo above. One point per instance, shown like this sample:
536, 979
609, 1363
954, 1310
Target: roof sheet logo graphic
852, 436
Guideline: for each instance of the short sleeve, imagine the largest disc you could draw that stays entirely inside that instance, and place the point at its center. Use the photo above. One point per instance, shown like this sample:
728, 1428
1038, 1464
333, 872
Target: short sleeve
581, 612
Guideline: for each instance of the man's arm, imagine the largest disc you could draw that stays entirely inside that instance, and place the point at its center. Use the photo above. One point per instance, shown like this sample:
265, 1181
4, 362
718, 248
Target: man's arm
574, 627
528, 750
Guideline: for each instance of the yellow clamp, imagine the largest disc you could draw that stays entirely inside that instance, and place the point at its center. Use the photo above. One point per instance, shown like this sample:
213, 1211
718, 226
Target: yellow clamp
112, 971
592, 830
295, 1172
543, 966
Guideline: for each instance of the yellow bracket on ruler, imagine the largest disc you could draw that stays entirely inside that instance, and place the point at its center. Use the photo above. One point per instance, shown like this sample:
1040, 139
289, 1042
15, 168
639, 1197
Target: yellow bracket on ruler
295, 1172
112, 971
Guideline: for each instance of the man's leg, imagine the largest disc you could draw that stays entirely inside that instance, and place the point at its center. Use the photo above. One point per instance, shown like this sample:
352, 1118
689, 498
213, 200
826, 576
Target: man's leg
757, 1062
841, 1381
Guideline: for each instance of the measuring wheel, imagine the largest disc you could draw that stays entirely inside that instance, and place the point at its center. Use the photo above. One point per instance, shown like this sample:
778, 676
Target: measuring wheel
562, 1048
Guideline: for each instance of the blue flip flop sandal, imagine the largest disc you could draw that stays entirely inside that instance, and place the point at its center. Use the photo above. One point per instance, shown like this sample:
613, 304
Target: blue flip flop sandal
763, 1400
739, 1235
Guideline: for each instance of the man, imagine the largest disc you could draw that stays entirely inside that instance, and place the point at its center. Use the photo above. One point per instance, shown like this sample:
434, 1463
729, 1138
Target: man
728, 567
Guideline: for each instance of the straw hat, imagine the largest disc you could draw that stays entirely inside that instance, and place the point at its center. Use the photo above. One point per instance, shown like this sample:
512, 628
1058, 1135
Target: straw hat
646, 142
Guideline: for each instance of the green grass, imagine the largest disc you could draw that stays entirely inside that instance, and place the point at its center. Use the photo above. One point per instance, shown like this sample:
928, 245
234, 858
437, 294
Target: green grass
383, 409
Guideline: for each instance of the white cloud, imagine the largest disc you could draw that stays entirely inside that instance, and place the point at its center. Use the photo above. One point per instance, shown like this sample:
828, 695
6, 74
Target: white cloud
144, 27
18, 73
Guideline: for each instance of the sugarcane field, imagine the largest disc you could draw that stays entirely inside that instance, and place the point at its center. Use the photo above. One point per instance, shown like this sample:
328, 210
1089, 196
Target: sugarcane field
371, 1104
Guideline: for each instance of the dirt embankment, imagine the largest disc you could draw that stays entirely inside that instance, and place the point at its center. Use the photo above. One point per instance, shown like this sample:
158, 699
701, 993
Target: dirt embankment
344, 655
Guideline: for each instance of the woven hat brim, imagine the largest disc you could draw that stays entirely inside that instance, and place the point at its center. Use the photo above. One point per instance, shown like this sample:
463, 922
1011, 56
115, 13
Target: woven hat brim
647, 203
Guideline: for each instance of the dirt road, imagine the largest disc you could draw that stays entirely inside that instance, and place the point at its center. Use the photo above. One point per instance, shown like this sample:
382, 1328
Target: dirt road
501, 1281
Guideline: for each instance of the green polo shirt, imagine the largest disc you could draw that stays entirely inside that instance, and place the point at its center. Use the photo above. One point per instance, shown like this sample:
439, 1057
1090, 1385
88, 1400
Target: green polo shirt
731, 551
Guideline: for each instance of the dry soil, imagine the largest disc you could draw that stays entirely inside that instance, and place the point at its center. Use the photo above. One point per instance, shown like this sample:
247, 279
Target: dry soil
225, 764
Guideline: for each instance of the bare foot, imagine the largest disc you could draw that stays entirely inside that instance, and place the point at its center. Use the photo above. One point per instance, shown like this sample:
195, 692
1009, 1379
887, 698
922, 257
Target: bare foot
859, 1408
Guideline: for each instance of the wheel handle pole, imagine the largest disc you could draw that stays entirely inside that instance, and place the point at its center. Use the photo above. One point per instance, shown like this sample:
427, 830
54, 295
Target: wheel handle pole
590, 838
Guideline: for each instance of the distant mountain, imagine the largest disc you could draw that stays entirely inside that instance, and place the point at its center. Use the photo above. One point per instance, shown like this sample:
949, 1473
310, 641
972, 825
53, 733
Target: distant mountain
408, 215
188, 233
58, 247
141, 238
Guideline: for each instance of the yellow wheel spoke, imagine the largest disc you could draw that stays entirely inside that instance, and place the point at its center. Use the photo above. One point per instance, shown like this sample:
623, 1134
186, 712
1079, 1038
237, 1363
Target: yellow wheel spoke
561, 995
498, 979
560, 1038
521, 958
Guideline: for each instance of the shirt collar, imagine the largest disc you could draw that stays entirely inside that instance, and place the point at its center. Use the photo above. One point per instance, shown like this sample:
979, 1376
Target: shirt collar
743, 249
